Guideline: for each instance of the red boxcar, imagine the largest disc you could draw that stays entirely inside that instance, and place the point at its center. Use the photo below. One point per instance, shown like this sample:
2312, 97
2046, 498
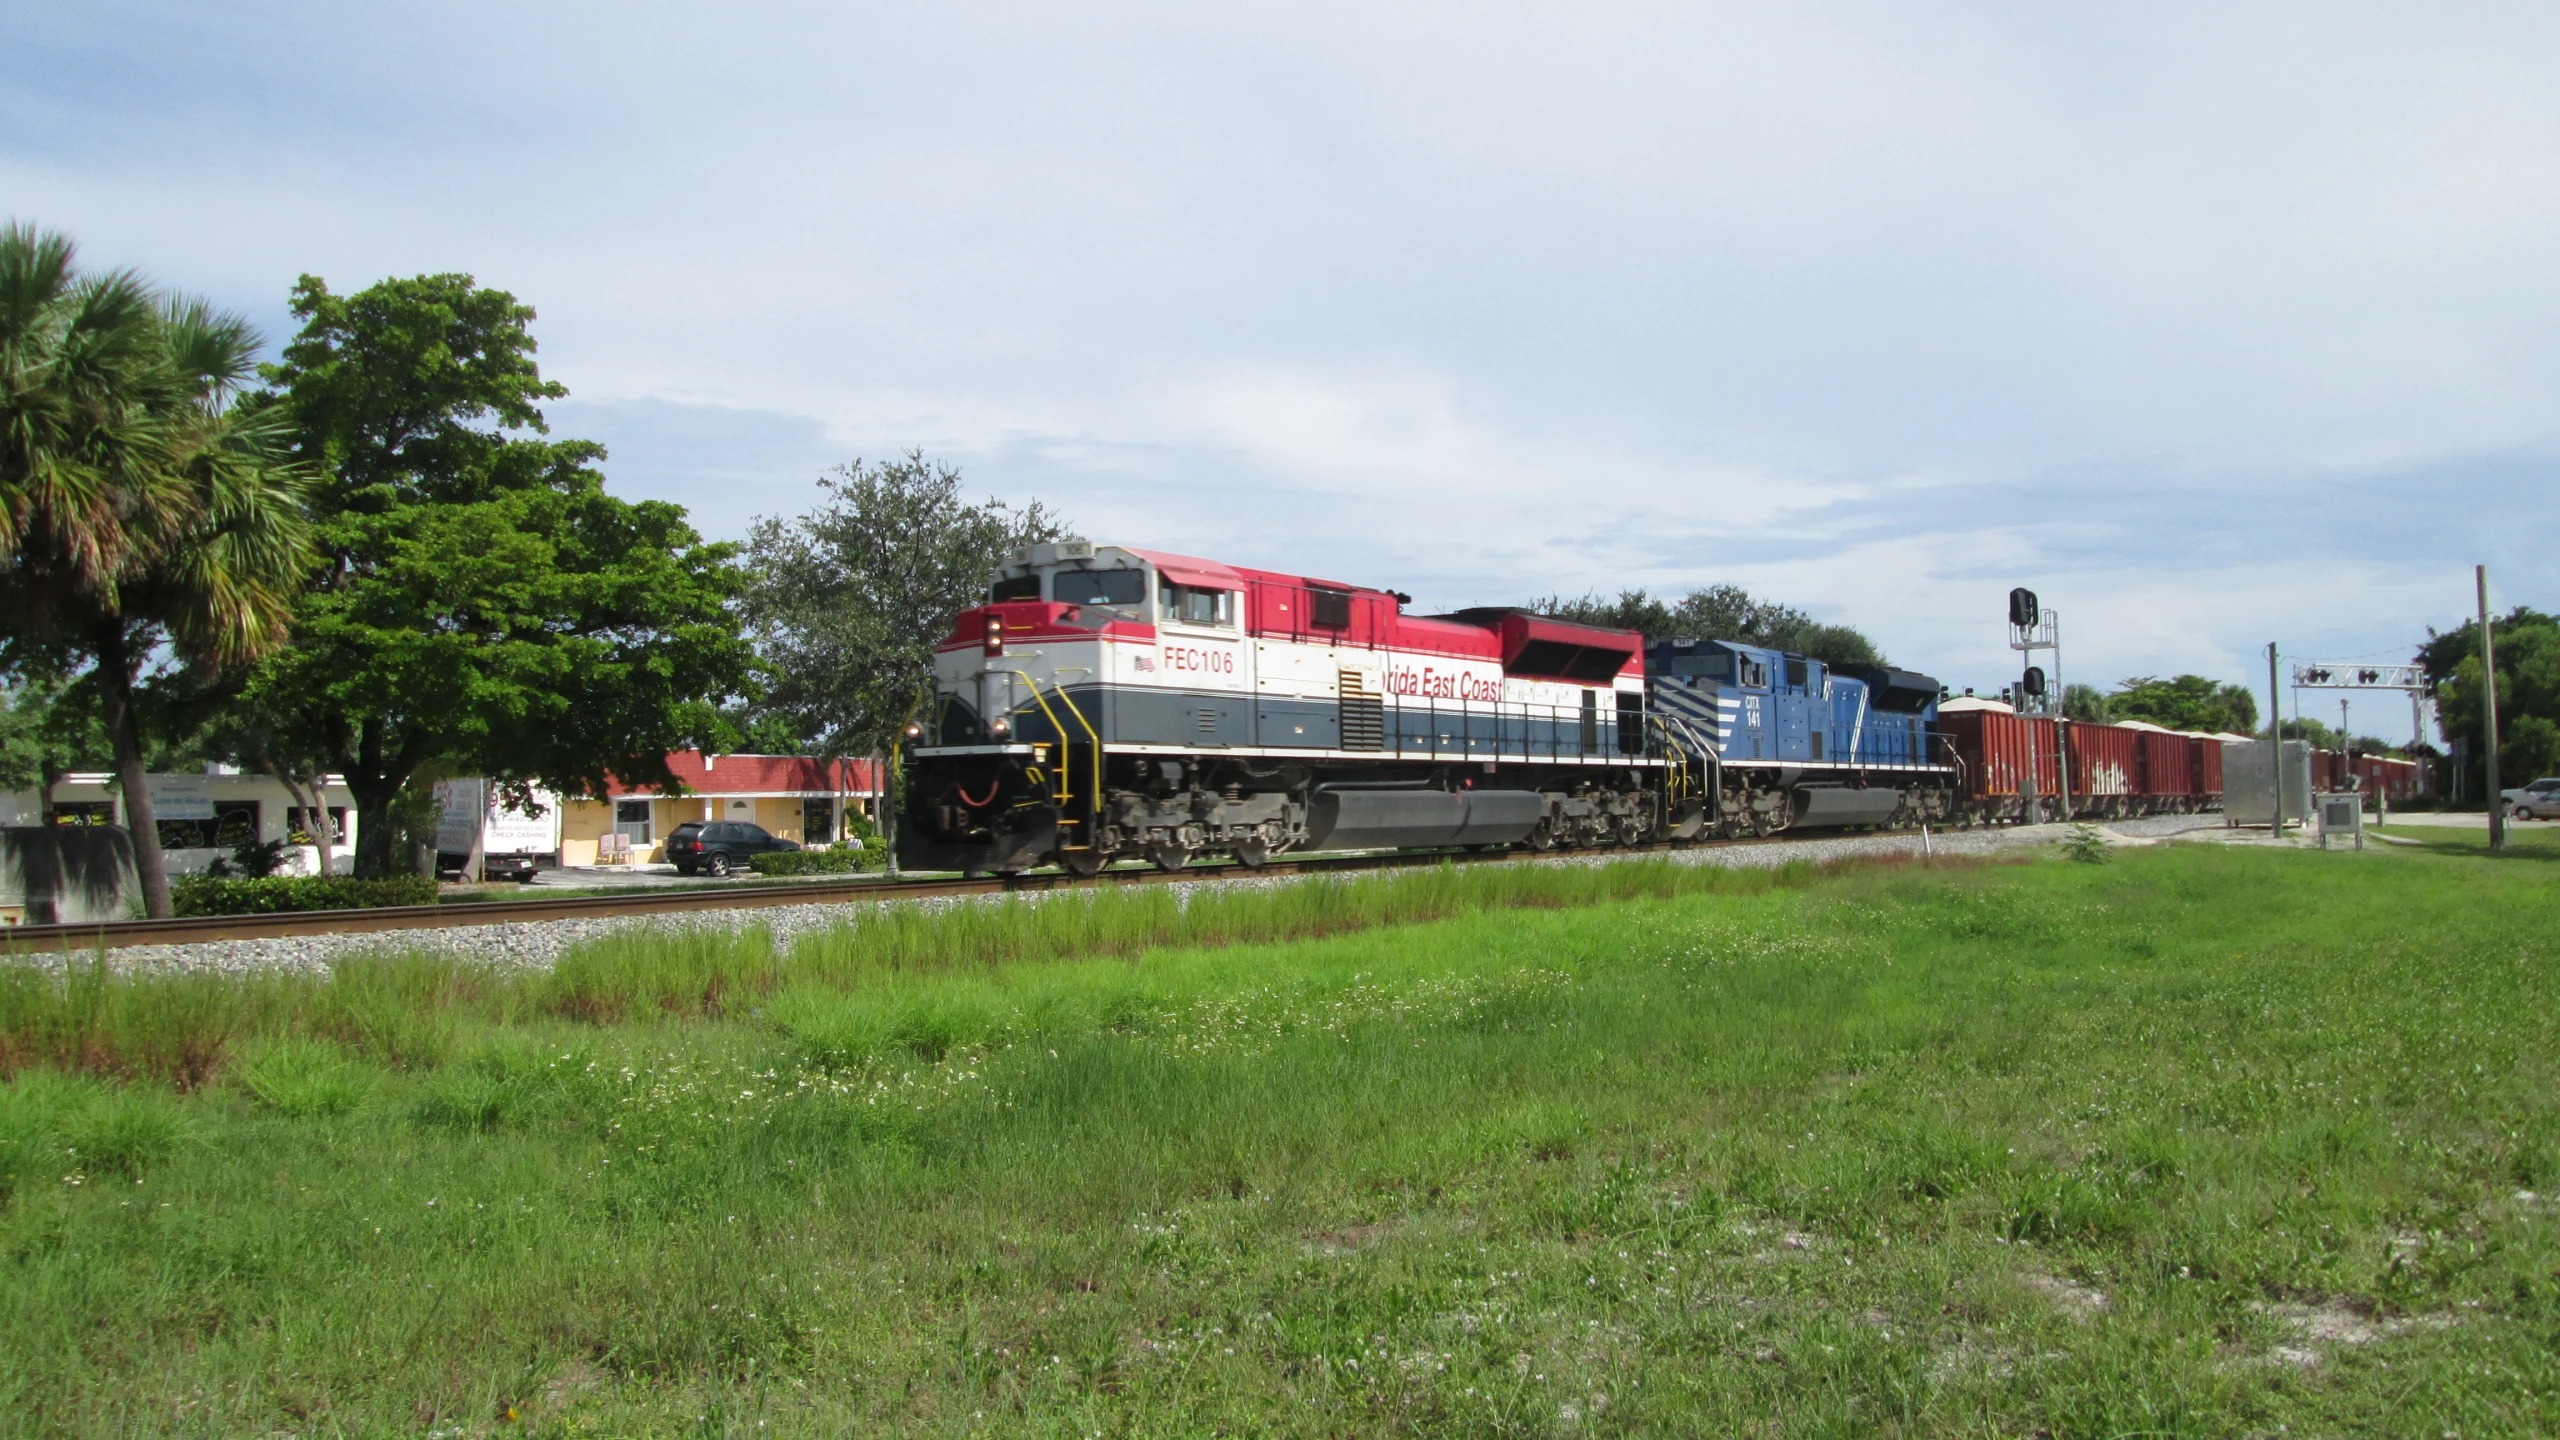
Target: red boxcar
2375, 775
1995, 751
2208, 772
2386, 776
2104, 762
2167, 780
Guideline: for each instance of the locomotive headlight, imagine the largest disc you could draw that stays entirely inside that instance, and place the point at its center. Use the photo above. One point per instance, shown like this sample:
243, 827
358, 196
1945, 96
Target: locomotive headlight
915, 730
995, 635
999, 727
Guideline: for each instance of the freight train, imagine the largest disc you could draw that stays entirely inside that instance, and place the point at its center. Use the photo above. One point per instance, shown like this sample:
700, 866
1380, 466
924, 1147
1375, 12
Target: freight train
1116, 704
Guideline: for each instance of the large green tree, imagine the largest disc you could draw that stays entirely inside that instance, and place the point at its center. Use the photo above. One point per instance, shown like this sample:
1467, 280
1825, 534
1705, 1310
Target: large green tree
2528, 644
848, 600
147, 519
2186, 702
1718, 612
481, 605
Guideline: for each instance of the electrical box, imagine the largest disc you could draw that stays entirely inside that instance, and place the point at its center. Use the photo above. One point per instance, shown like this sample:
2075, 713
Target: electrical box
2249, 777
2342, 816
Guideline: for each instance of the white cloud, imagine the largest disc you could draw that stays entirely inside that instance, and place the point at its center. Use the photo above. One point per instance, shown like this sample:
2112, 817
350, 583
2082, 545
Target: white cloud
2214, 319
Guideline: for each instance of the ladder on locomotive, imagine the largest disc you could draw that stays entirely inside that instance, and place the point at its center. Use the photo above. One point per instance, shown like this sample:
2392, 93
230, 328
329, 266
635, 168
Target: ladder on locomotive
1063, 773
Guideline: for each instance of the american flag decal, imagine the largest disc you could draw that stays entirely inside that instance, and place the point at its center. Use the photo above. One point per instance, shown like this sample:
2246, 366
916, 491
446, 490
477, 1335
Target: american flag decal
1145, 664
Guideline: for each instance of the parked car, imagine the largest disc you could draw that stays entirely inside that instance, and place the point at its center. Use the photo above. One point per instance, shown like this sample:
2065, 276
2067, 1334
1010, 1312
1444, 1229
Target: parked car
720, 847
2537, 801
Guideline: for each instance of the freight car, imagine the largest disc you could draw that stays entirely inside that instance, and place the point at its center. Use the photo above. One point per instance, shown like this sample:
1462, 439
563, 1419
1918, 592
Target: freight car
2378, 776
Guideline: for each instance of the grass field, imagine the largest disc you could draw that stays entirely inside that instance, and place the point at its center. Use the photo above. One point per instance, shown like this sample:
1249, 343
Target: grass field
2198, 1142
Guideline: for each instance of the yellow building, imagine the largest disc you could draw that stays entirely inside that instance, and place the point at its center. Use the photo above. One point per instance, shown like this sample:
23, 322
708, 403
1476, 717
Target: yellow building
793, 796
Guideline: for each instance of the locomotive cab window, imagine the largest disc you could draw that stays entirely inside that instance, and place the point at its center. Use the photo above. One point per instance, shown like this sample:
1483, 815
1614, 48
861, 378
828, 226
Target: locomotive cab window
1329, 609
1755, 675
1122, 591
1193, 604
1014, 587
1795, 671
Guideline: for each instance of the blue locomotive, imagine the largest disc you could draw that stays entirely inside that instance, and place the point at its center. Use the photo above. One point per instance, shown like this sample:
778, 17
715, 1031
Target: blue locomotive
1794, 741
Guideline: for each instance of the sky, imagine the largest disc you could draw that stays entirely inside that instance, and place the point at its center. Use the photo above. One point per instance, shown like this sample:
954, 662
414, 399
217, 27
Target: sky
2215, 324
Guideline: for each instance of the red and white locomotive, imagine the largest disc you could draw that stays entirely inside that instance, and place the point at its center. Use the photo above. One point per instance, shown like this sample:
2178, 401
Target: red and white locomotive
1109, 703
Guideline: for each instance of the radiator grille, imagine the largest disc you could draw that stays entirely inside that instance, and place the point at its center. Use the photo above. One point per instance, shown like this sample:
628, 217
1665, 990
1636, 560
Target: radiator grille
1364, 716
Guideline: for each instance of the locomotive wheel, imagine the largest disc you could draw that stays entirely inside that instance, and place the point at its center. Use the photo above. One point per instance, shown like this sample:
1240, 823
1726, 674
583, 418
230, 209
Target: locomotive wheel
1253, 854
1542, 838
1169, 857
1760, 826
1083, 864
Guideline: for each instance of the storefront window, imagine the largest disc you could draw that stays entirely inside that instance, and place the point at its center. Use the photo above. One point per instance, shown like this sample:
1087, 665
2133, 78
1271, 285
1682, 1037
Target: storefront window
82, 812
631, 820
297, 833
234, 824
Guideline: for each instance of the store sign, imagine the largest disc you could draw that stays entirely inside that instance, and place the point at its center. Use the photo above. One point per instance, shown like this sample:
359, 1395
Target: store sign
179, 797
464, 807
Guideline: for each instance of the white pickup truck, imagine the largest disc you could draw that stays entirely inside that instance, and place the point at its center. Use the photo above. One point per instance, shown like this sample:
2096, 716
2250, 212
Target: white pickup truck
2537, 801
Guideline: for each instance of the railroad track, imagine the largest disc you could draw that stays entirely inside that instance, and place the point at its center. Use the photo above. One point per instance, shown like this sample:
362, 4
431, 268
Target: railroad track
123, 934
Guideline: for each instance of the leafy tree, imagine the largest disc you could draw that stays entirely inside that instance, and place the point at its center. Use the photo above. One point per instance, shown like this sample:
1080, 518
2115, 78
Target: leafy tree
49, 727
2532, 751
764, 730
1718, 612
2086, 702
2186, 702
140, 508
2312, 732
2528, 690
481, 605
848, 601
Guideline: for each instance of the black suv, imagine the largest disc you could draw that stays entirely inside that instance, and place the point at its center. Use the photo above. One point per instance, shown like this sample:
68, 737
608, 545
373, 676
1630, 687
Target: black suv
720, 847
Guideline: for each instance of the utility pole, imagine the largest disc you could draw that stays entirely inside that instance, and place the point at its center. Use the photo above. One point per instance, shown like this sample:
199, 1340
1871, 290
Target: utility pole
2275, 743
2489, 714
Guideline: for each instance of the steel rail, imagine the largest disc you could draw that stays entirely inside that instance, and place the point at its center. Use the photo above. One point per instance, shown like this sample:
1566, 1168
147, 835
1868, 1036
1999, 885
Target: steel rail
121, 934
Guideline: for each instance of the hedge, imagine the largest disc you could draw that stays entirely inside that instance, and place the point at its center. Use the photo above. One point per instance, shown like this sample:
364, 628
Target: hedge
277, 894
838, 861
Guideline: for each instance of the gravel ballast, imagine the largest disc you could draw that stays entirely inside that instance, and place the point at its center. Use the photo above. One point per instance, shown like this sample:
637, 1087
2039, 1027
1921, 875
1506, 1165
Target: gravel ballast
538, 944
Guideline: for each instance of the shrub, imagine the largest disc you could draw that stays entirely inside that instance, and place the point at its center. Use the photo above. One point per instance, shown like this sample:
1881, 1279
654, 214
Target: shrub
2086, 845
276, 895
838, 861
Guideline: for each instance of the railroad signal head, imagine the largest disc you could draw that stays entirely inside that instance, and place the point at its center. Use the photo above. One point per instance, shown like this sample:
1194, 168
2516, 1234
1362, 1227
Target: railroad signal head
2034, 684
2023, 611
2367, 677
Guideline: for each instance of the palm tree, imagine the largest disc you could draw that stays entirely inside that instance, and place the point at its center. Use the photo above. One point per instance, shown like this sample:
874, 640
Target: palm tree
140, 506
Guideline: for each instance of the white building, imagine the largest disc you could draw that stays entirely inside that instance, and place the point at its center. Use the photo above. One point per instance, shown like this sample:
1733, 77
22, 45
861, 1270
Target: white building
201, 818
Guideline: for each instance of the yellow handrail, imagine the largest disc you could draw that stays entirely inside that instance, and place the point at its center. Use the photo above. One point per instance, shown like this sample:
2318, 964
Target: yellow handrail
1066, 751
1064, 792
1093, 740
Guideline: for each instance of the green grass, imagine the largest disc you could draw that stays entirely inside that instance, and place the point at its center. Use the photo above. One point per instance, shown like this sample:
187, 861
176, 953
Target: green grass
2538, 844
2198, 1142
